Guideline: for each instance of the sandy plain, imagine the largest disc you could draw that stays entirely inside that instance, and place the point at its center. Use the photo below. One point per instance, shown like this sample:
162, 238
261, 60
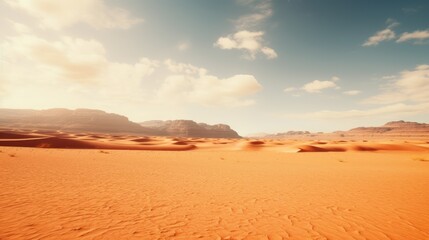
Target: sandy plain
83, 186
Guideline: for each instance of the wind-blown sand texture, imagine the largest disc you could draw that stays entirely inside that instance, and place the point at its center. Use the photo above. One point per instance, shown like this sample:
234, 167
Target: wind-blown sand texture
211, 189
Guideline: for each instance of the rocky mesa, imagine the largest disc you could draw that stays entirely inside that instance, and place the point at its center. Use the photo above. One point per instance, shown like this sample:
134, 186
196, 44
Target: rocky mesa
82, 120
189, 128
393, 129
90, 120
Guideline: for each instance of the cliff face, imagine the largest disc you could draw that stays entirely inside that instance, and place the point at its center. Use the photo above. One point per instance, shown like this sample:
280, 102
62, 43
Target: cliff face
395, 128
189, 128
395, 125
87, 120
390, 130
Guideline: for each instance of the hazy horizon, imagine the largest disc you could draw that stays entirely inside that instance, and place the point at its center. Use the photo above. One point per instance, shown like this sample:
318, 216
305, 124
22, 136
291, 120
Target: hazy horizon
258, 66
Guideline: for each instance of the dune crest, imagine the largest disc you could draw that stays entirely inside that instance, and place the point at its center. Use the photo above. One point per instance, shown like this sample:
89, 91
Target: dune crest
58, 139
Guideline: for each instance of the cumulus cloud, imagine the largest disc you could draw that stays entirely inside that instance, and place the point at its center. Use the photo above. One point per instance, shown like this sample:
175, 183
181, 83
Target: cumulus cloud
78, 70
247, 37
407, 94
317, 86
184, 68
410, 85
269, 52
56, 14
73, 59
351, 92
416, 35
68, 70
382, 35
250, 42
194, 85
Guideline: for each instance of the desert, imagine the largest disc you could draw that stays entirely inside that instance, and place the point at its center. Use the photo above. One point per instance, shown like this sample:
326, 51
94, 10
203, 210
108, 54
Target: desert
214, 120
63, 185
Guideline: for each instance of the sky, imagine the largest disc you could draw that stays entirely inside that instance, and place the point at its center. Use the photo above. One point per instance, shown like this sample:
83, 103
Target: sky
258, 65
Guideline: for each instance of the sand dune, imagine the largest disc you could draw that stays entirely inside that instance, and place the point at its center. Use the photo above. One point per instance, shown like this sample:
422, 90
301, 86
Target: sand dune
65, 185
51, 139
222, 194
56, 139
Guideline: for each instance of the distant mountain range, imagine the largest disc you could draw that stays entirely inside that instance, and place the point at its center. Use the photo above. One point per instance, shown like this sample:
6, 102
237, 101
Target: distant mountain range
89, 120
394, 129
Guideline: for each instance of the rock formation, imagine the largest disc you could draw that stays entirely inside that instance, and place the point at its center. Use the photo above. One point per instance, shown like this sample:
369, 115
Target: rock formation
393, 129
88, 120
85, 120
189, 128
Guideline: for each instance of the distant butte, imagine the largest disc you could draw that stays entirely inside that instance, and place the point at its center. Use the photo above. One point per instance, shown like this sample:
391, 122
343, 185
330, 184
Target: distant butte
394, 129
189, 128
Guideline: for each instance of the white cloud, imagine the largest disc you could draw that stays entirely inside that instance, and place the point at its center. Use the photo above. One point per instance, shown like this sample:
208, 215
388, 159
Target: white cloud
352, 92
411, 85
416, 35
191, 84
247, 38
56, 14
71, 58
68, 71
317, 86
183, 68
269, 52
380, 36
383, 35
73, 72
250, 42
407, 94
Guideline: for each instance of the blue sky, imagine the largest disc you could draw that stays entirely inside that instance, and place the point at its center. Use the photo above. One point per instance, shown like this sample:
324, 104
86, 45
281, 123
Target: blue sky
257, 65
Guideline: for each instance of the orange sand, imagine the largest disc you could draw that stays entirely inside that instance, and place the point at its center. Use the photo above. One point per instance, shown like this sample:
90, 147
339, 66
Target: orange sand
218, 189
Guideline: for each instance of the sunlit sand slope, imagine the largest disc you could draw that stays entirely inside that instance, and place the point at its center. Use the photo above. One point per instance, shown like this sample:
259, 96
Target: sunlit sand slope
213, 194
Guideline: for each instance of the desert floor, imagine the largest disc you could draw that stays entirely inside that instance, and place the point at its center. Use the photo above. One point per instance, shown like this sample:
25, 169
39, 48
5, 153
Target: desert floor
215, 189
